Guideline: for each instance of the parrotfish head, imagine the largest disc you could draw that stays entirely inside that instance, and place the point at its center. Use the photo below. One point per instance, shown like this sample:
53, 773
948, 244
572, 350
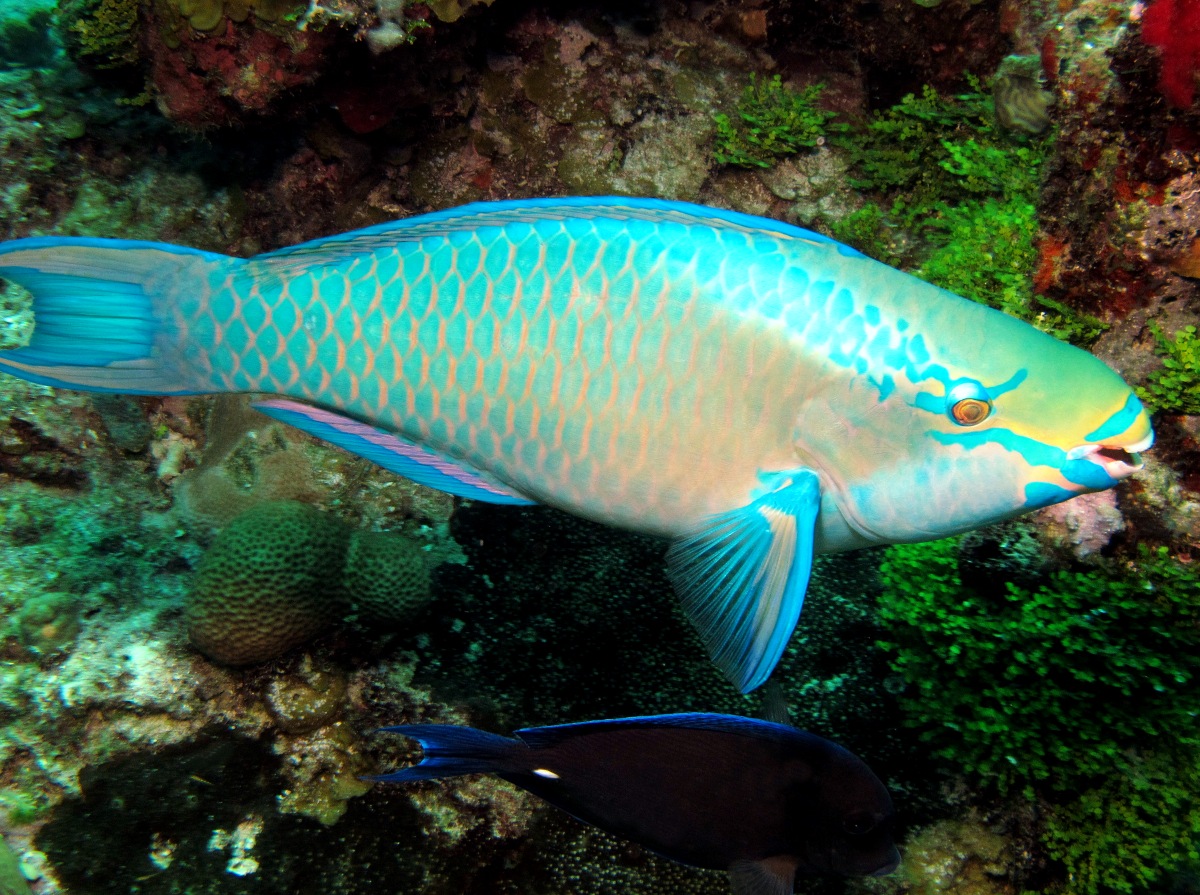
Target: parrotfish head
971, 417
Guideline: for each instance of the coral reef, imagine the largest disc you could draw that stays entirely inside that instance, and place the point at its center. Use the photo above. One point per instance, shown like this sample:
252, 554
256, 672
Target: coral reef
1077, 214
963, 856
28, 40
1021, 103
213, 63
452, 10
396, 26
46, 625
283, 572
243, 459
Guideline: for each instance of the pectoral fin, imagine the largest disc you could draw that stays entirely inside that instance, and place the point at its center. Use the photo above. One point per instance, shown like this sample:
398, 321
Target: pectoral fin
742, 577
773, 876
413, 461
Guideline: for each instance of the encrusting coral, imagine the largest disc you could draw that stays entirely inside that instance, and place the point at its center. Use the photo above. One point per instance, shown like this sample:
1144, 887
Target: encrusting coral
207, 15
105, 33
283, 572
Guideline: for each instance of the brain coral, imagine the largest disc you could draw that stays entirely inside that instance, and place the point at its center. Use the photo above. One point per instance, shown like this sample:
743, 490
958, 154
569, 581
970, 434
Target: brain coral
270, 581
283, 572
386, 579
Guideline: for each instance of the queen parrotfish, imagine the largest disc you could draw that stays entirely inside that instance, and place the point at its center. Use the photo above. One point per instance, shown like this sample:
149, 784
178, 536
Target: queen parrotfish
764, 801
750, 390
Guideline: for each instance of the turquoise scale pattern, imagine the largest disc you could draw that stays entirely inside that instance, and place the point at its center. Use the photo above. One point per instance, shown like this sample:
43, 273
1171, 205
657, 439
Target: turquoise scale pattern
577, 356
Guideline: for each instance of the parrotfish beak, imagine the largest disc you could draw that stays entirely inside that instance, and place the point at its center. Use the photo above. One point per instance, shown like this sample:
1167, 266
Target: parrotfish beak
1117, 461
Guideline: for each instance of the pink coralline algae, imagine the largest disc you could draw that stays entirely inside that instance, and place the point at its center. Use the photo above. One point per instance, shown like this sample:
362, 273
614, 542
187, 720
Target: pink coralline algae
215, 79
1174, 27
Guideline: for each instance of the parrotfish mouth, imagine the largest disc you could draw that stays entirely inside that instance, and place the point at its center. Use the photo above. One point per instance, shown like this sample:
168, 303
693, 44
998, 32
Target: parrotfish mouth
1118, 461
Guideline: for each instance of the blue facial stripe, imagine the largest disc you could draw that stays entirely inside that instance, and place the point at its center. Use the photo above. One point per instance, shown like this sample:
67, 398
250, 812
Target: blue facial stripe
1120, 421
1013, 382
929, 402
1082, 472
1034, 452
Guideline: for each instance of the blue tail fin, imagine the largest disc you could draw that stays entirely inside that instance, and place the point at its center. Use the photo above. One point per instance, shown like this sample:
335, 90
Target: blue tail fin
101, 311
451, 752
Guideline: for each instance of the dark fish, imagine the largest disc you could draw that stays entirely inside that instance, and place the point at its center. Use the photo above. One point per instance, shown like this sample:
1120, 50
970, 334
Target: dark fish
764, 801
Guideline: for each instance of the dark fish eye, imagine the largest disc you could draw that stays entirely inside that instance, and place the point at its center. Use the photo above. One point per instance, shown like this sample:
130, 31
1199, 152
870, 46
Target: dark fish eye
969, 404
858, 824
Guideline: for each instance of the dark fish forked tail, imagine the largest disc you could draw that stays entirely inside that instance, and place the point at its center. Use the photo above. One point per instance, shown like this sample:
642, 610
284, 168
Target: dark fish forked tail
451, 752
100, 314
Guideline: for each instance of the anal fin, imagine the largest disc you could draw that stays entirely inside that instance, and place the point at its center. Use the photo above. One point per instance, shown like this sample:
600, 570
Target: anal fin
742, 577
413, 461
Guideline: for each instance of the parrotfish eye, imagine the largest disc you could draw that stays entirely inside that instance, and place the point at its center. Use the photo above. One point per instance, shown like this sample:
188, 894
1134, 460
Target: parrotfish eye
969, 404
859, 824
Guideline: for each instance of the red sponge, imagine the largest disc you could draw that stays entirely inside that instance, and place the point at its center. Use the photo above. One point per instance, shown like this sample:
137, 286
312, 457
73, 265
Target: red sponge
1174, 27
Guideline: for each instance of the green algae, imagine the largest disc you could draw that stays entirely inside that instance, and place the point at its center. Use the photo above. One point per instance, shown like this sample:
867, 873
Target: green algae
1131, 831
1075, 687
943, 169
1175, 387
771, 121
1046, 682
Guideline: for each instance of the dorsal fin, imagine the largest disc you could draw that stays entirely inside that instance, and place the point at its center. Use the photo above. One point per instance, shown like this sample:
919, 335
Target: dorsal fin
469, 218
542, 737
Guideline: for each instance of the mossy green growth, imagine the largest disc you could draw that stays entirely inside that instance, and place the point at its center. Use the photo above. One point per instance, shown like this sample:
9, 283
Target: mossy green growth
985, 250
1125, 834
904, 148
1051, 685
771, 121
967, 189
1175, 388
